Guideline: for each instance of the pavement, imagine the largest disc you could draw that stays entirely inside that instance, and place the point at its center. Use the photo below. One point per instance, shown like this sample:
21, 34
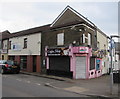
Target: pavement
97, 87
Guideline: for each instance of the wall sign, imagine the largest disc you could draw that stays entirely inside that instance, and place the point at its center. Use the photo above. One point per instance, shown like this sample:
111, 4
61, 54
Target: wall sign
83, 50
16, 47
57, 51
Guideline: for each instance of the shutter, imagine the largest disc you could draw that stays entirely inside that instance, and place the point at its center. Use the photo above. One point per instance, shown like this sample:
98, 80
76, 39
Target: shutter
60, 63
80, 67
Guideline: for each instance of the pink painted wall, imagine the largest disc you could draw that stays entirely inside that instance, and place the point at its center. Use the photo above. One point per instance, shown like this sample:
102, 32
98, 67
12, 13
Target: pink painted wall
80, 51
47, 65
74, 67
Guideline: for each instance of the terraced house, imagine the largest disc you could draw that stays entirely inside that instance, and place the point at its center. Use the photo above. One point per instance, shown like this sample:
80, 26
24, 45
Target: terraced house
4, 44
26, 48
71, 46
103, 47
72, 49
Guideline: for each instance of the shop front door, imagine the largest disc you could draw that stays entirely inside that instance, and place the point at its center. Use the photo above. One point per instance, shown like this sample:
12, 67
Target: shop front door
60, 66
34, 63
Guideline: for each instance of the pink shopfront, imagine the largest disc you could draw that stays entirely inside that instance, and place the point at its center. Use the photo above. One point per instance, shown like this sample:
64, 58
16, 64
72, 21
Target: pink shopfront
73, 62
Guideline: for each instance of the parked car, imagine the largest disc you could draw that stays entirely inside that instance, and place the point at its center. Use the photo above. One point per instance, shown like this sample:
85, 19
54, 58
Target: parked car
7, 66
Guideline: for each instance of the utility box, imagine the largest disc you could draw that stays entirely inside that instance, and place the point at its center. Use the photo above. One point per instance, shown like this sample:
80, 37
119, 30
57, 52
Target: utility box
116, 76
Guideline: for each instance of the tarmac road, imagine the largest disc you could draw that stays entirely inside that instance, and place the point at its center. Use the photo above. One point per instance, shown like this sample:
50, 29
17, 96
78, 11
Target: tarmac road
21, 85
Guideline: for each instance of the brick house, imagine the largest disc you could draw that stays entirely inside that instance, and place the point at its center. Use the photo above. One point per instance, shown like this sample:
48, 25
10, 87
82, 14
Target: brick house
71, 31
25, 48
71, 28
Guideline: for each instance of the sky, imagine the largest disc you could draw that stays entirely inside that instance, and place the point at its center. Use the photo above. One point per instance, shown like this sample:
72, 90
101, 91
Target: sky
17, 16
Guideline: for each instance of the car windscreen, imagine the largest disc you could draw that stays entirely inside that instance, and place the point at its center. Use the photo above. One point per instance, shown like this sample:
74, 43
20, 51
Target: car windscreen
2, 61
10, 62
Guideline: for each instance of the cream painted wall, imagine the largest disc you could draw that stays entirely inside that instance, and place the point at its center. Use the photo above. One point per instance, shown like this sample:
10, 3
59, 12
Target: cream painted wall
5, 44
33, 45
103, 40
5, 56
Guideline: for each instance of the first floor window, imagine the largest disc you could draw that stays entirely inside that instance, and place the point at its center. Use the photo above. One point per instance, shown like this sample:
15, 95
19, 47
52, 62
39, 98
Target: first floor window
60, 39
25, 43
83, 38
98, 45
9, 44
89, 39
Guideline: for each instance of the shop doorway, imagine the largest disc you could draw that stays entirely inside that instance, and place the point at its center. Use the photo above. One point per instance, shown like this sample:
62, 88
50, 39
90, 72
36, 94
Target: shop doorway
59, 66
81, 67
34, 63
23, 62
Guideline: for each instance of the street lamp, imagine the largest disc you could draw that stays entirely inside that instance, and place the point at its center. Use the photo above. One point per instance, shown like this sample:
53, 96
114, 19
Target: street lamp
112, 45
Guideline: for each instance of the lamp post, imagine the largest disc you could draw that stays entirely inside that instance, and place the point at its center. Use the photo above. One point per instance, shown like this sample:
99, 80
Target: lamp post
111, 65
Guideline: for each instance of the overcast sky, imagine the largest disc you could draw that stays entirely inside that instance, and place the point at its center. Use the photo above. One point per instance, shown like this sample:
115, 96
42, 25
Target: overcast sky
17, 16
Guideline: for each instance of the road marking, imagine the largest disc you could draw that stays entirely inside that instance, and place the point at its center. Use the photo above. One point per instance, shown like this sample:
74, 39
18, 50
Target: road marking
38, 84
76, 89
28, 81
18, 79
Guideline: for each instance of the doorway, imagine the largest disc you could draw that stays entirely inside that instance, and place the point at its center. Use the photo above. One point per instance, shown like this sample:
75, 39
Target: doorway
23, 62
34, 63
2, 57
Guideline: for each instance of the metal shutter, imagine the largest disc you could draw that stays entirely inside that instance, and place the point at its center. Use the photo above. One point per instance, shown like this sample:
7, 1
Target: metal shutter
60, 63
80, 67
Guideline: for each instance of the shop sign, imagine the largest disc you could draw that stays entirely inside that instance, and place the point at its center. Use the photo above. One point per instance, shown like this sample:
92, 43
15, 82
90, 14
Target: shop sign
83, 50
58, 52
16, 47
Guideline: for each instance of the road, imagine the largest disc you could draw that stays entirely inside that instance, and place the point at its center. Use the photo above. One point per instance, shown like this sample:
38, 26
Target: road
21, 85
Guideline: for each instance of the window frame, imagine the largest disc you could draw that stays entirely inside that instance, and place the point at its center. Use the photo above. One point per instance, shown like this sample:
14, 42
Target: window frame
60, 39
9, 44
89, 39
25, 43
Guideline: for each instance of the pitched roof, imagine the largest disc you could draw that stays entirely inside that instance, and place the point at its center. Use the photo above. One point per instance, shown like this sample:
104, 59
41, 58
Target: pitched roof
30, 31
5, 35
102, 33
69, 15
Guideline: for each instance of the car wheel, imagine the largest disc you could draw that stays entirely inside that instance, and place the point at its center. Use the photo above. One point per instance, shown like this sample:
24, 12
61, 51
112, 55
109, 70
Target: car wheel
18, 72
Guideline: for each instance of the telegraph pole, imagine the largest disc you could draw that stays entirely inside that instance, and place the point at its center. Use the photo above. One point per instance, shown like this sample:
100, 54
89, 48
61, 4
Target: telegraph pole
111, 65
112, 45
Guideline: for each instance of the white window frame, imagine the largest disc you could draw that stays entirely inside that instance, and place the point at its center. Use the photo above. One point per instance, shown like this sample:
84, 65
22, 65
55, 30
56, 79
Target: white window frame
84, 37
89, 39
60, 39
